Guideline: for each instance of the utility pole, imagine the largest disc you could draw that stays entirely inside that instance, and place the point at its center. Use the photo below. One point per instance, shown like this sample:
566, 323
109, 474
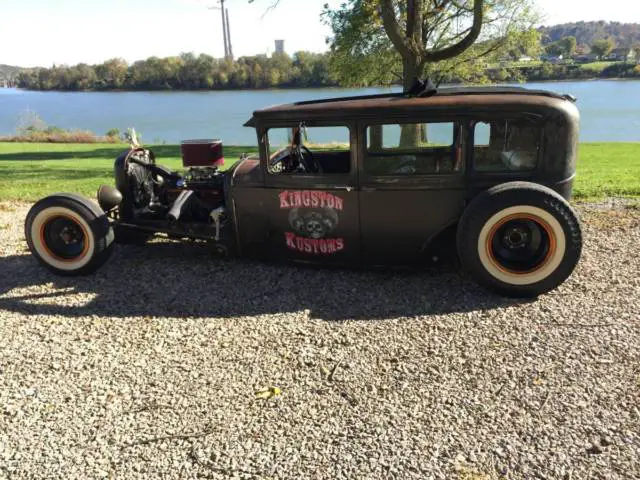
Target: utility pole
225, 28
229, 35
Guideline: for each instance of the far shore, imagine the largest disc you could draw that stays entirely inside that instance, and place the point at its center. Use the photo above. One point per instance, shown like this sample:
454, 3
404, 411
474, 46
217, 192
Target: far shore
332, 87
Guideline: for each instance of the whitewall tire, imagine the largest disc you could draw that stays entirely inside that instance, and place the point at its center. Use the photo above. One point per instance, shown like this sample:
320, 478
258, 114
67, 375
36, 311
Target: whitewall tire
68, 234
519, 239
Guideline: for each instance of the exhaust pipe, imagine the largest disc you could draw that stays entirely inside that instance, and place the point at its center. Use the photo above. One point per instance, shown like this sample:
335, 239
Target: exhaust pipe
179, 205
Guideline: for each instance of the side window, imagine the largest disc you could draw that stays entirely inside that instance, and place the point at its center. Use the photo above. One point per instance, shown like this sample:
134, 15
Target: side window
506, 145
413, 149
308, 150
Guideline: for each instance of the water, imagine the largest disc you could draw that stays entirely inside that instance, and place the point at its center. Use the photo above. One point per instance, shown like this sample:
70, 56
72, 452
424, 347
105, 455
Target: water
610, 110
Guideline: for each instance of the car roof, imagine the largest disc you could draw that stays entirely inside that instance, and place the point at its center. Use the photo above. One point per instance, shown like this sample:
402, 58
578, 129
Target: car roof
393, 103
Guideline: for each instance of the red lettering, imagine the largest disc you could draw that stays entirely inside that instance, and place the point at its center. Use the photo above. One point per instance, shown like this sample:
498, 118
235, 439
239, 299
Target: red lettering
313, 245
331, 201
310, 199
306, 198
323, 198
283, 199
290, 237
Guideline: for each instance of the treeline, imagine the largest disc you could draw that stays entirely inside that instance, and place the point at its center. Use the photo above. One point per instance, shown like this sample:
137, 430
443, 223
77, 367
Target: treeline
586, 33
185, 72
548, 71
8, 75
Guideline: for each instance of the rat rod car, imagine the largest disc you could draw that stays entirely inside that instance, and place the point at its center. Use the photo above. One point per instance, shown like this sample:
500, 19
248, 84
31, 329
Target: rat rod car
370, 180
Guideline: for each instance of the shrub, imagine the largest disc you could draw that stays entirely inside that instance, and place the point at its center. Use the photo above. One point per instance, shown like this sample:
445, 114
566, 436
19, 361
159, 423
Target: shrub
59, 135
30, 121
31, 128
113, 132
620, 69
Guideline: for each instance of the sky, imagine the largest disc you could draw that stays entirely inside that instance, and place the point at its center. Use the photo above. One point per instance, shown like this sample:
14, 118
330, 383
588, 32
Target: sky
43, 32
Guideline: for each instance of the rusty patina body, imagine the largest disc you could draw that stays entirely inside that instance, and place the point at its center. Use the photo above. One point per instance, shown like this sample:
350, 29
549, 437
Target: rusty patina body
403, 179
393, 218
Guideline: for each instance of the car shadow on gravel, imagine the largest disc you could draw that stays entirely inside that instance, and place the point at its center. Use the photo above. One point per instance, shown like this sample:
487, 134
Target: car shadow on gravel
176, 280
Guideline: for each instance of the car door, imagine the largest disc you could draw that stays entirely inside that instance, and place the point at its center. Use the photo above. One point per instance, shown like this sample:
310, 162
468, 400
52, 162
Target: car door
313, 216
409, 194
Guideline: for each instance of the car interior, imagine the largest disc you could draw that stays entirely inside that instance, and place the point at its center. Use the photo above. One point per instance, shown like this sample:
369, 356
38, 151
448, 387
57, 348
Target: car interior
396, 155
298, 153
502, 145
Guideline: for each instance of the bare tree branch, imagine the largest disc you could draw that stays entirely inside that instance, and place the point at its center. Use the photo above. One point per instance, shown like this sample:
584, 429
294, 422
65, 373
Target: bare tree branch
273, 5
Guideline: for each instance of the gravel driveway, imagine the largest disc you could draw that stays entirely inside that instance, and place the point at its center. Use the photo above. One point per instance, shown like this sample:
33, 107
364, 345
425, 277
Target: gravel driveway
150, 368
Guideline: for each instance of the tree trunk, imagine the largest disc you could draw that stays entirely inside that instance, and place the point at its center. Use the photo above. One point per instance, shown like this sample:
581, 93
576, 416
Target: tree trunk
411, 134
375, 137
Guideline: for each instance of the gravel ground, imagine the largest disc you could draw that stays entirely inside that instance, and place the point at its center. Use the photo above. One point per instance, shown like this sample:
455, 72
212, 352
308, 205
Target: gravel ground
150, 368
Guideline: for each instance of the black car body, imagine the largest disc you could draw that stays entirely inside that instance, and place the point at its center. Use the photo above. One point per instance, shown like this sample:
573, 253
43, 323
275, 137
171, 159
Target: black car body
405, 179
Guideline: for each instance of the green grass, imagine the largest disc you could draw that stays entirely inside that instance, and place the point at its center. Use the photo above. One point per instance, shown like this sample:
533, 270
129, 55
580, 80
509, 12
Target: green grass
596, 67
29, 171
608, 169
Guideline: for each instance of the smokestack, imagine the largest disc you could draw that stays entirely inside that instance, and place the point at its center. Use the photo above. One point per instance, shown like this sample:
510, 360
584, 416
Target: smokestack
229, 36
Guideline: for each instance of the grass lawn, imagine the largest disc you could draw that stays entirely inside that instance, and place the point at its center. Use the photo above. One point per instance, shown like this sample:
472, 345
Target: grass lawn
29, 171
596, 67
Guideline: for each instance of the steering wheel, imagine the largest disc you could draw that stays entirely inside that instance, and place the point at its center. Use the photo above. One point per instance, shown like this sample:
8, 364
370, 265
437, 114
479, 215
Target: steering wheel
276, 163
310, 164
306, 162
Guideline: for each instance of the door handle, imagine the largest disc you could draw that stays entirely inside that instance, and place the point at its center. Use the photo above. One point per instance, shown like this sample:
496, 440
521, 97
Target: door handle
348, 188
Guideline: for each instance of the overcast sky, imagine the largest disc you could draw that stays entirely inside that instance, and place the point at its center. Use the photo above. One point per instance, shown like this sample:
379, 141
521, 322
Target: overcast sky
43, 32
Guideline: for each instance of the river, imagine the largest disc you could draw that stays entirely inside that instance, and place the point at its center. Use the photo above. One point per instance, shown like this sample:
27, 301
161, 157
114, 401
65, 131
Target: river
610, 110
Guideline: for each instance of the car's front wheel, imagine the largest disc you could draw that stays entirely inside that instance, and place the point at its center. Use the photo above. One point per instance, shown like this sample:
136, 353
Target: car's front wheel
68, 234
519, 239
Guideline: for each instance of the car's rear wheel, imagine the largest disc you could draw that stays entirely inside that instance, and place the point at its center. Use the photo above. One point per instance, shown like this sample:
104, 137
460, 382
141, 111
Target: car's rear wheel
519, 239
68, 235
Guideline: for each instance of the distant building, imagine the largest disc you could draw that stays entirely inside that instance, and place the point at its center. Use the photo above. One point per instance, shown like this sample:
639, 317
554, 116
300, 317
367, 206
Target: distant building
554, 59
586, 58
624, 54
279, 46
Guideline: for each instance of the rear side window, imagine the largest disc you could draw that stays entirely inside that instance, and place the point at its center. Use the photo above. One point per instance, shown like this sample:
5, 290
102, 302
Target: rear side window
506, 145
413, 149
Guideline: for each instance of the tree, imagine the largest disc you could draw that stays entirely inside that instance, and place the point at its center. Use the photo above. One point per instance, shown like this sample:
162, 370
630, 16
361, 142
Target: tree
565, 46
636, 51
602, 48
412, 41
568, 45
382, 41
113, 73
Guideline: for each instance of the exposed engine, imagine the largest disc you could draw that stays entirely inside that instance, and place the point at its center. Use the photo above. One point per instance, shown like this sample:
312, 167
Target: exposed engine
192, 204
